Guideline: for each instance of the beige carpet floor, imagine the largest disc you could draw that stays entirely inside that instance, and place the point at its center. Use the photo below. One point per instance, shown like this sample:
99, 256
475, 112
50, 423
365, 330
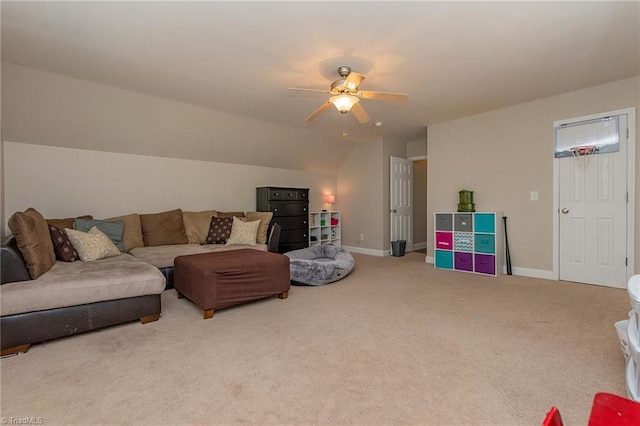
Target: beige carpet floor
396, 342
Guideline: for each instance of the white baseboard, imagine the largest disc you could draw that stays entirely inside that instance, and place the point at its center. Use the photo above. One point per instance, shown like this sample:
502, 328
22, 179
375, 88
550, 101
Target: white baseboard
370, 252
528, 272
419, 246
515, 270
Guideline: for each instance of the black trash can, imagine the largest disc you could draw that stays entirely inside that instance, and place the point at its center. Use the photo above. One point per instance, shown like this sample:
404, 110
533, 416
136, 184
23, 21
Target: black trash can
398, 247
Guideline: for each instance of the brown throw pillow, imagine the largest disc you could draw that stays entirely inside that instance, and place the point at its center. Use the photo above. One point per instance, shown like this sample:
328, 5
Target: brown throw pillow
196, 225
32, 236
132, 237
220, 230
164, 228
67, 222
61, 245
265, 220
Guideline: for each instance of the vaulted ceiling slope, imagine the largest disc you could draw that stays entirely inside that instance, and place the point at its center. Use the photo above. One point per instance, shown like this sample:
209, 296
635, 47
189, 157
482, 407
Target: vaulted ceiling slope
453, 59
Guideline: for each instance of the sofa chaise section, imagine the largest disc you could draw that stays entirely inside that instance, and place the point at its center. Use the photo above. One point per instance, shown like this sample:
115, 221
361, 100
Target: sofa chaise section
73, 297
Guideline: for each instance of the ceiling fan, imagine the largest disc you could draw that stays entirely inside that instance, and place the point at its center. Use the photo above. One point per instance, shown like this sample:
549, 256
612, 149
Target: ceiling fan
346, 96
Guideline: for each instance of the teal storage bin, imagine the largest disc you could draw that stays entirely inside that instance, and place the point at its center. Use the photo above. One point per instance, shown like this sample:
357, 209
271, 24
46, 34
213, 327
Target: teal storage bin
444, 259
484, 222
485, 243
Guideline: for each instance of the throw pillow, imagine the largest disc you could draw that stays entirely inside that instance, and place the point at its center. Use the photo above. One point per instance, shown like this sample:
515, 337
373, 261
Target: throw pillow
32, 236
112, 229
197, 224
67, 222
62, 246
219, 230
243, 232
132, 236
164, 228
92, 245
265, 220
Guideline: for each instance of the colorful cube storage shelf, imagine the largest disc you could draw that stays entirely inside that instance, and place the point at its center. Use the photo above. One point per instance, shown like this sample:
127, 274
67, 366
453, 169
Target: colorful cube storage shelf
468, 242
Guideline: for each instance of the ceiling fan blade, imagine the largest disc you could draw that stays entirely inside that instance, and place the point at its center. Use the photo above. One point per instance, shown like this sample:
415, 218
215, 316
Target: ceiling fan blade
359, 113
353, 80
317, 112
383, 96
308, 90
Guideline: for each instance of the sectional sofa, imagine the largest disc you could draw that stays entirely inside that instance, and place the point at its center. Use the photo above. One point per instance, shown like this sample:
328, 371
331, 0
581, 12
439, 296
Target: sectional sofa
44, 295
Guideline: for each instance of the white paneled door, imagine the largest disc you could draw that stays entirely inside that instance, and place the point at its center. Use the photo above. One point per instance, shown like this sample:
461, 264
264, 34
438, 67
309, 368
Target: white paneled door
592, 218
401, 196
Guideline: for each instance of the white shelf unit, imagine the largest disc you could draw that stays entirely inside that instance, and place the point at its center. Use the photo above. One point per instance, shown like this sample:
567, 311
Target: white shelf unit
324, 228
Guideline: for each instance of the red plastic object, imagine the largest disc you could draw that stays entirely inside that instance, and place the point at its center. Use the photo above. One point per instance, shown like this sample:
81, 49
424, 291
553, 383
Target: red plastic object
613, 410
553, 418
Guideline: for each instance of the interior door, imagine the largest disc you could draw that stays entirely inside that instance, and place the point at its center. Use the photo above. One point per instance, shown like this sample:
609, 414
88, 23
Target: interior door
401, 196
592, 213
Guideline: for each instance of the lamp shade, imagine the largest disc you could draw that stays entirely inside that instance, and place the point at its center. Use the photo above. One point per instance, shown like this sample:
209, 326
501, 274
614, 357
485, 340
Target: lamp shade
344, 102
330, 199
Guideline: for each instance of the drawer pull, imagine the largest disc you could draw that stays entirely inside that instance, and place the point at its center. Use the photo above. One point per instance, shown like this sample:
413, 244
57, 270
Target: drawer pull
485, 241
275, 210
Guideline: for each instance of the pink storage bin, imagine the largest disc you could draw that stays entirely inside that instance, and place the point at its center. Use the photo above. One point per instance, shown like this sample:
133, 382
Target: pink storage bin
444, 240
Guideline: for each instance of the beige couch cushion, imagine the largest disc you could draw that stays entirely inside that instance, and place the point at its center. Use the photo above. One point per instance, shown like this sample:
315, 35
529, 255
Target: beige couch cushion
163, 228
32, 236
163, 256
265, 220
67, 222
132, 236
196, 225
77, 283
230, 214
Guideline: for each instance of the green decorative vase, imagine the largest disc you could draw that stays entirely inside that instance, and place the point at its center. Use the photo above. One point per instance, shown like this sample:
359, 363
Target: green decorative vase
465, 201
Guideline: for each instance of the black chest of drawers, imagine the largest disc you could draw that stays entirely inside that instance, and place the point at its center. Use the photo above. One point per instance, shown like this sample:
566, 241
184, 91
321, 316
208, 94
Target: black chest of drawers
290, 207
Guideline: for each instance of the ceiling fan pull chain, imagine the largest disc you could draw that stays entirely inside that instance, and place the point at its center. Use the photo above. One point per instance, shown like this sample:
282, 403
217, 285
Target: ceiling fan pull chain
344, 125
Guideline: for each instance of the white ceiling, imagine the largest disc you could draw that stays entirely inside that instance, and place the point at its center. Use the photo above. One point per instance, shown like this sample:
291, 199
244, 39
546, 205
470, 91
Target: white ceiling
452, 58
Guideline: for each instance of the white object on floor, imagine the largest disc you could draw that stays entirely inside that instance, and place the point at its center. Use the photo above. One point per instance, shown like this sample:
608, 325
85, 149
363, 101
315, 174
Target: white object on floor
621, 329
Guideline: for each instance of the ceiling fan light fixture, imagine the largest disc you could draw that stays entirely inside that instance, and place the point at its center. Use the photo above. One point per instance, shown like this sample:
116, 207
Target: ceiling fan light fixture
343, 103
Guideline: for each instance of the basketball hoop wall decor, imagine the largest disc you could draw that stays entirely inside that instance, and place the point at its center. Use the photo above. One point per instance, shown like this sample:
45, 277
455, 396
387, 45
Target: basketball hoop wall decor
599, 136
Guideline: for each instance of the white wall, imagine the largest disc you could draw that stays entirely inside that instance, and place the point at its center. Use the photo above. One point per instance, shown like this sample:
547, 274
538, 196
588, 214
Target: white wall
417, 148
360, 197
45, 108
64, 182
504, 154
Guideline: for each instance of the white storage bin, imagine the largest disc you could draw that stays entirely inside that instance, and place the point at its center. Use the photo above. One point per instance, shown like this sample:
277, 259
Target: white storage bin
623, 337
633, 338
632, 381
633, 288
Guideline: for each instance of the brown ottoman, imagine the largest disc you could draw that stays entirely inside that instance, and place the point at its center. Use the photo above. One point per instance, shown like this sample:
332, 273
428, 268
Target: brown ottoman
221, 279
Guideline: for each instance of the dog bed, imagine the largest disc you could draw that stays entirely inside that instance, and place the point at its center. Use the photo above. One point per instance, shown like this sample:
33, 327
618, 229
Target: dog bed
319, 265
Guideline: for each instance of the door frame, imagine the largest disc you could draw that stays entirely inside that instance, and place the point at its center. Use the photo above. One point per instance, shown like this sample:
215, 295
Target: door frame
631, 181
409, 246
413, 178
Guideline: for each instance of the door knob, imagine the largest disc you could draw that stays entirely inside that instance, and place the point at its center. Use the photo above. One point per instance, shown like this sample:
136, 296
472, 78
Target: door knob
394, 211
565, 211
